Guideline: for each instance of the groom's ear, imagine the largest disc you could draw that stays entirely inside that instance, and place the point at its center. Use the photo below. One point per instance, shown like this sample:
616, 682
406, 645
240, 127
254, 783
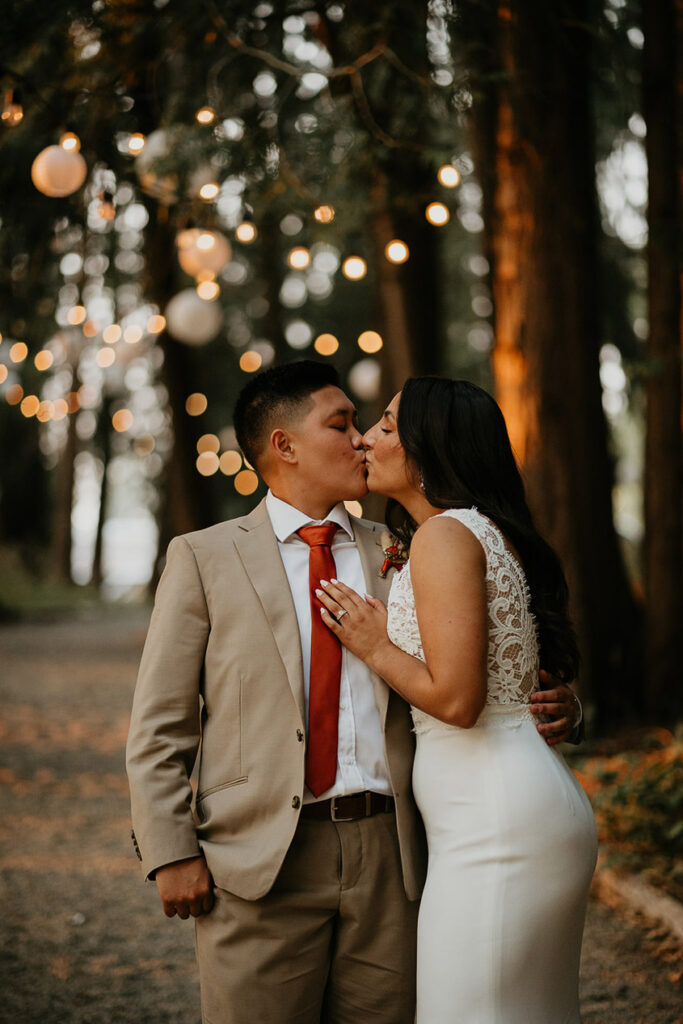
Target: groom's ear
282, 446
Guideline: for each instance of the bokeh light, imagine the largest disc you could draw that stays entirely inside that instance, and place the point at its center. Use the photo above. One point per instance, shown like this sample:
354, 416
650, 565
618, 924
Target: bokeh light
208, 290
156, 324
209, 191
132, 334
230, 462
208, 443
207, 463
205, 115
29, 405
396, 251
326, 344
354, 268
122, 420
105, 357
43, 360
246, 482
324, 214
246, 232
449, 176
370, 341
354, 508
76, 315
250, 361
196, 404
18, 352
299, 258
437, 214
111, 334
136, 143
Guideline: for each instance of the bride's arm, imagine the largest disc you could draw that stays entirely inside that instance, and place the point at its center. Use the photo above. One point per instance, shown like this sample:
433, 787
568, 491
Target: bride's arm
447, 567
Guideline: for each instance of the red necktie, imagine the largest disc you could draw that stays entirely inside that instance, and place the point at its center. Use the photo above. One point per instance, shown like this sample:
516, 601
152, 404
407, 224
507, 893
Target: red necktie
323, 698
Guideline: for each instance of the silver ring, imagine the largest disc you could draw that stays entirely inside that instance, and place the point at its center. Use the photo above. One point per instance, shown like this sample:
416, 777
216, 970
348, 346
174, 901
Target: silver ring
342, 613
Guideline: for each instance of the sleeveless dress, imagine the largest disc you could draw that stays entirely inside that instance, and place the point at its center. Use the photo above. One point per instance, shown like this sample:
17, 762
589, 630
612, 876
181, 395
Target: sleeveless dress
511, 834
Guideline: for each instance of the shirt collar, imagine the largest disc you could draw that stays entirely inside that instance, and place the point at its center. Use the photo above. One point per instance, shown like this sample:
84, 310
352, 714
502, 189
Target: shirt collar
286, 519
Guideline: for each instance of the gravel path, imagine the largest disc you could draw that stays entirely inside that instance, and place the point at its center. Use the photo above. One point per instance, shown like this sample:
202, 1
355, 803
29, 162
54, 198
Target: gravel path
84, 941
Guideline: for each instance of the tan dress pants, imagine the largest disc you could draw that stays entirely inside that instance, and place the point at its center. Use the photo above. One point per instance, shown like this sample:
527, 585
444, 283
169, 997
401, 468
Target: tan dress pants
333, 942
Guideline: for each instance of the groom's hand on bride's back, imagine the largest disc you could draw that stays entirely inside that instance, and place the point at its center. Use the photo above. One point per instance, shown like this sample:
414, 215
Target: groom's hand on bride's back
562, 707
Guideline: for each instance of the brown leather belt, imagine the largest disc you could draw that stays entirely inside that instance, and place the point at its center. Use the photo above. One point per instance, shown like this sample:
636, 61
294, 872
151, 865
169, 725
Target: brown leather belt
348, 808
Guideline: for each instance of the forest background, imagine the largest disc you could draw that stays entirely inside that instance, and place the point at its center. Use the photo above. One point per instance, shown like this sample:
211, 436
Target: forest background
477, 189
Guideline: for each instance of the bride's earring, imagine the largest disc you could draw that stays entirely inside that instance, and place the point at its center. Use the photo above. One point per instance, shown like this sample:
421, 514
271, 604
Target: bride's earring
421, 481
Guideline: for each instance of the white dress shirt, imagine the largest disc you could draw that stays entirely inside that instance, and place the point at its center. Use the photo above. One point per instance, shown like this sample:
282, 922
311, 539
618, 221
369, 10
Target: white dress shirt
361, 763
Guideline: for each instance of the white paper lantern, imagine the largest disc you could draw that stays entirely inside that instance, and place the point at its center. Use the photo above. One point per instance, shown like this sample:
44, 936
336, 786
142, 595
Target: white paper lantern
58, 172
364, 379
202, 251
191, 319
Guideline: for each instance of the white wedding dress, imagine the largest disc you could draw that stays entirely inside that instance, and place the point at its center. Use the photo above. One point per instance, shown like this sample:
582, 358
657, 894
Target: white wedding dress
511, 834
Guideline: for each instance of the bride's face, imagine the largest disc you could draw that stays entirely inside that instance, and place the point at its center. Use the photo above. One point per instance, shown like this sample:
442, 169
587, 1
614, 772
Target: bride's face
385, 457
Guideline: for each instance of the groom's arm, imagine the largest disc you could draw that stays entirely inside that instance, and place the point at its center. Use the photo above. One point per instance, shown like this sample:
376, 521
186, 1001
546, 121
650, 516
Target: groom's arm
563, 709
165, 729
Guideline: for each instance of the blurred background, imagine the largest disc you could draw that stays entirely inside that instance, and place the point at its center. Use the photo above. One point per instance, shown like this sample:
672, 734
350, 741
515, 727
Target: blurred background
193, 191
190, 192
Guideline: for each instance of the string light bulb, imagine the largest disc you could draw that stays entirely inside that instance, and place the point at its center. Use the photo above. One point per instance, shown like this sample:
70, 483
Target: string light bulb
209, 191
205, 115
396, 251
449, 176
70, 142
12, 111
370, 341
437, 214
326, 344
354, 268
324, 214
136, 143
299, 258
246, 232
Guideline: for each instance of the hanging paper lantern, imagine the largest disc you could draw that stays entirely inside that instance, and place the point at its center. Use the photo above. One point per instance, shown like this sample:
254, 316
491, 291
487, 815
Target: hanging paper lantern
202, 252
58, 172
191, 319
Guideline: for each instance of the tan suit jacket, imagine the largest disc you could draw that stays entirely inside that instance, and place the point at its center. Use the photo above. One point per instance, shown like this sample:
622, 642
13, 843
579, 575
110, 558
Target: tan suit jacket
222, 665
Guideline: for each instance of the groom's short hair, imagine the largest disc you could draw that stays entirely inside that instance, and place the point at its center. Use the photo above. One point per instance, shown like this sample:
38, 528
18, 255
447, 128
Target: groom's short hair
275, 398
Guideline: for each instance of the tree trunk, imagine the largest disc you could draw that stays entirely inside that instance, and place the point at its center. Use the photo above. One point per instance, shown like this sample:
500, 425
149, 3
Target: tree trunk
63, 506
545, 361
186, 503
663, 450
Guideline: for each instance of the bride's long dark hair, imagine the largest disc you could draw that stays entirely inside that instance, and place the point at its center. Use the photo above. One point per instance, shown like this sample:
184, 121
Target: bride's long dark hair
457, 446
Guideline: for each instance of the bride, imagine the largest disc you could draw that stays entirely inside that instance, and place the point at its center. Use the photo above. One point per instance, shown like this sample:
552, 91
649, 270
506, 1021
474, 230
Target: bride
511, 836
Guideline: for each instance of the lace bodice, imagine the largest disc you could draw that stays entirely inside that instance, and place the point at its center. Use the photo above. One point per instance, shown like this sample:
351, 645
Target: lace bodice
512, 643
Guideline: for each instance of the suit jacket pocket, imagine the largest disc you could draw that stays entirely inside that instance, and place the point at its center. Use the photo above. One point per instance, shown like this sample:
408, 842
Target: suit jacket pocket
221, 754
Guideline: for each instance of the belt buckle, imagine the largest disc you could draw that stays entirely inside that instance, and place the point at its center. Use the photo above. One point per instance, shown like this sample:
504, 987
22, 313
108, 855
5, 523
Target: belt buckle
334, 815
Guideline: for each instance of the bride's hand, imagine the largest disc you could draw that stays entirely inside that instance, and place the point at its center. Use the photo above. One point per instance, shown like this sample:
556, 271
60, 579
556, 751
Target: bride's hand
360, 624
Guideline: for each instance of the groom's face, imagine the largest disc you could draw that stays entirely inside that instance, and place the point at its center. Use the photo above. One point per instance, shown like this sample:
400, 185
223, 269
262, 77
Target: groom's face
329, 447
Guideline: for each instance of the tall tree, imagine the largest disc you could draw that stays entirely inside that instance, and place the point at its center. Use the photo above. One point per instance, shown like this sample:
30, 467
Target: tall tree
543, 242
663, 449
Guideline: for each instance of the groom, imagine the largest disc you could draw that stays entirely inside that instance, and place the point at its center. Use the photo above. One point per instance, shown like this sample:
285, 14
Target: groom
304, 858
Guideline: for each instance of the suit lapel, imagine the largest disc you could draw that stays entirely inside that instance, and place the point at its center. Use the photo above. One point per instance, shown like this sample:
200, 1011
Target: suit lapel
258, 550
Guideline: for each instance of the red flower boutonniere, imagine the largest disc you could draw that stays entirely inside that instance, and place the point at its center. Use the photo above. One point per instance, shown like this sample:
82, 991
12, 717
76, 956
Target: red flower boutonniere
395, 553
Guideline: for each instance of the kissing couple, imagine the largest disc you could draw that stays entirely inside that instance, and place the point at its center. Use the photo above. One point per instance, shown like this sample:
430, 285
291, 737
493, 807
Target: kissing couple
383, 828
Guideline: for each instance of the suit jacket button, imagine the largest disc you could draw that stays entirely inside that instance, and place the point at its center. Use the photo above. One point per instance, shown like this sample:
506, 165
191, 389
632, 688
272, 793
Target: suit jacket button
299, 735
296, 802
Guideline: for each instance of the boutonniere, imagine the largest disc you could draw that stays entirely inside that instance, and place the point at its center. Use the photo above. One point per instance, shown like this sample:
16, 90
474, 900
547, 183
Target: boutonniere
395, 553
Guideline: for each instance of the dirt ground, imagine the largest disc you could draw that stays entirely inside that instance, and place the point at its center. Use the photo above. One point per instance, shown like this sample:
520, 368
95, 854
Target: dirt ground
83, 940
